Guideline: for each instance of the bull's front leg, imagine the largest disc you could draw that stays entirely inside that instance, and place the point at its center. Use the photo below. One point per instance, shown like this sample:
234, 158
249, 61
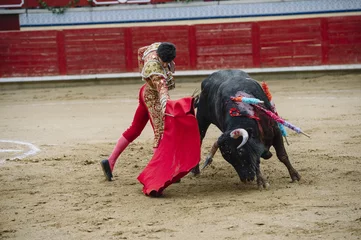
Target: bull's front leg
203, 125
261, 181
283, 157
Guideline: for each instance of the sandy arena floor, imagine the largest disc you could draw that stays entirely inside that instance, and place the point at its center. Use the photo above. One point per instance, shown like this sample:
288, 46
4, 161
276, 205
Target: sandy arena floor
60, 192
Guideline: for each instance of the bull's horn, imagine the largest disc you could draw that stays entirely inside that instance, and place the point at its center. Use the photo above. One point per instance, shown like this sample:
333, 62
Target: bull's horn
240, 132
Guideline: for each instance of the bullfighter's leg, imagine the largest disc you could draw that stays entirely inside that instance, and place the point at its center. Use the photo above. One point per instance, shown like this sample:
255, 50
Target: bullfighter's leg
283, 157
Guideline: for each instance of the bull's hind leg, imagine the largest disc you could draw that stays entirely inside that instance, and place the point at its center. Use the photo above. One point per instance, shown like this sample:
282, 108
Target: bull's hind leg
283, 157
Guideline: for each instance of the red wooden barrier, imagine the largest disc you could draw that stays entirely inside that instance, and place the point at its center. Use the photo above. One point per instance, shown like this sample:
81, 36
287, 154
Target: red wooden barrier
227, 45
290, 43
344, 40
62, 3
299, 42
52, 3
11, 2
91, 51
28, 54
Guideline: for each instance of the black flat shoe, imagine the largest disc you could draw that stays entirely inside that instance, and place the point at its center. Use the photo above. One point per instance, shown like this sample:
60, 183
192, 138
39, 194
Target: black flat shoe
155, 194
106, 169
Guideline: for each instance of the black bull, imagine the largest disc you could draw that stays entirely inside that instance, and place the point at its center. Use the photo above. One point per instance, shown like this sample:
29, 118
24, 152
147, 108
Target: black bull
257, 132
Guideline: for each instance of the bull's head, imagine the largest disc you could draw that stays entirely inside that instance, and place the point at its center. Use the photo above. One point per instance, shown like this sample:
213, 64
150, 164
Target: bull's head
242, 150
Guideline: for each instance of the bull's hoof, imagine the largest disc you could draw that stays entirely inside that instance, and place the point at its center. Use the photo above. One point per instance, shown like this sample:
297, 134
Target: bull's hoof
195, 171
265, 185
266, 155
247, 180
295, 176
262, 183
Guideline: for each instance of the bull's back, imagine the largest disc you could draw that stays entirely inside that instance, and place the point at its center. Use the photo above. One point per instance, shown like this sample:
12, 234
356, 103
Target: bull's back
213, 81
223, 84
217, 90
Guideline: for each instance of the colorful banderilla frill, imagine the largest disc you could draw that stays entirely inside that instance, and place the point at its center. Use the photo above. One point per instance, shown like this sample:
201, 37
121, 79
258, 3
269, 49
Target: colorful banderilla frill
274, 116
281, 120
266, 91
269, 96
246, 100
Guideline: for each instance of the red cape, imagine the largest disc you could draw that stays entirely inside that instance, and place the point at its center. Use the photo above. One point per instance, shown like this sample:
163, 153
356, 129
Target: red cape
178, 151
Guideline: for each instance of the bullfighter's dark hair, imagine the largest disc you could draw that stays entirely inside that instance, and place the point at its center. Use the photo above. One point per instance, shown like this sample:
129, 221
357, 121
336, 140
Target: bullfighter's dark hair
166, 52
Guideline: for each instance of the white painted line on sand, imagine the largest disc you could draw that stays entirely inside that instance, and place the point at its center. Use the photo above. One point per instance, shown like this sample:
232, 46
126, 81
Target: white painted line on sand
9, 150
32, 149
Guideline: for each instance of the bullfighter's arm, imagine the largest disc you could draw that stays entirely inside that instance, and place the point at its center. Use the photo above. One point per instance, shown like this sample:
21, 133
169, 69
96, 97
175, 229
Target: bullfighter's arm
140, 57
160, 84
154, 74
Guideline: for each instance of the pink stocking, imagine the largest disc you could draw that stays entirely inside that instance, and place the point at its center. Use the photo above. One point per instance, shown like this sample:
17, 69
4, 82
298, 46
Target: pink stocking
118, 149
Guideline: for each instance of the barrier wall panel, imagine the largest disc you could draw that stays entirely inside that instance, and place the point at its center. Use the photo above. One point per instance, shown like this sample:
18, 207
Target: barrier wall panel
81, 3
52, 3
344, 40
10, 2
290, 61
290, 43
224, 45
28, 54
279, 40
224, 50
291, 50
345, 54
224, 62
91, 51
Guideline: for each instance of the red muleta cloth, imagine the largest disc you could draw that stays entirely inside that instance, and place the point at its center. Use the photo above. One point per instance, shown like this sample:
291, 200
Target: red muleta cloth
178, 151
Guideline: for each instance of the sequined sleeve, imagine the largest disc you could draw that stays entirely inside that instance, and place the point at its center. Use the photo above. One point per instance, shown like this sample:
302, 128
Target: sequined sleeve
156, 76
140, 57
160, 84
